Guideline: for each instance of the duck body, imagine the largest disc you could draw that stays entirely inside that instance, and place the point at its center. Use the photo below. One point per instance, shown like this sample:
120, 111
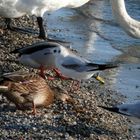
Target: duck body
24, 90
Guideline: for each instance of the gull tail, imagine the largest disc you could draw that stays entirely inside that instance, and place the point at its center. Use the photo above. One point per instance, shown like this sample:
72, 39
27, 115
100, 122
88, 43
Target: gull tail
107, 66
114, 109
15, 51
111, 109
102, 66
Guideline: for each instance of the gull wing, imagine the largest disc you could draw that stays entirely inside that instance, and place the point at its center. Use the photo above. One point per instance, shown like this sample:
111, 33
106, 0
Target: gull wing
80, 64
76, 63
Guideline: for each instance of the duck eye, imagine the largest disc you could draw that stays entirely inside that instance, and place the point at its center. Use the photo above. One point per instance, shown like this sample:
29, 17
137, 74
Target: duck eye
54, 51
59, 51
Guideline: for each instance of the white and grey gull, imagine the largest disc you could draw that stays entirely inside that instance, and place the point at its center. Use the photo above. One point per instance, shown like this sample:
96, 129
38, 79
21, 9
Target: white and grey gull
52, 55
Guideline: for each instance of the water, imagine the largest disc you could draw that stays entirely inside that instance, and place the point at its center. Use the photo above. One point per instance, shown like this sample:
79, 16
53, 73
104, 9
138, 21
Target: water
94, 33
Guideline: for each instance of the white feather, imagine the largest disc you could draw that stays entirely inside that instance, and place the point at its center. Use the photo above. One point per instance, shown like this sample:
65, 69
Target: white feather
17, 8
130, 25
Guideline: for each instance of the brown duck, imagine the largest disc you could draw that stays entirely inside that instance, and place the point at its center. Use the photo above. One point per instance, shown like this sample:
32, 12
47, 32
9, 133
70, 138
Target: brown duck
26, 90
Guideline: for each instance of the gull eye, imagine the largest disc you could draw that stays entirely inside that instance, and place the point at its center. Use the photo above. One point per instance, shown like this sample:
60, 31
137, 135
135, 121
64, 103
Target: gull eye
59, 51
54, 51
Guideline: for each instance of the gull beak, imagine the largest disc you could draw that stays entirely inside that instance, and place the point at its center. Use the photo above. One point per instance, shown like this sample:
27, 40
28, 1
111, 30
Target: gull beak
98, 78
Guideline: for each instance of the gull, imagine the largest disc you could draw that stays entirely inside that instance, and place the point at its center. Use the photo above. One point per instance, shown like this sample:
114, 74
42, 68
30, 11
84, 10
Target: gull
26, 90
130, 25
132, 109
73, 66
17, 8
38, 56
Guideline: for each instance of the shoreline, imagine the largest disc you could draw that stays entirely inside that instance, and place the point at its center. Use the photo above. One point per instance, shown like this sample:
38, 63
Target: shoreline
61, 120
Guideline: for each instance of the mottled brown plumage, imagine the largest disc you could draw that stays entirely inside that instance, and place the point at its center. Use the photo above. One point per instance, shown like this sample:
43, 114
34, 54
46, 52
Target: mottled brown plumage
27, 90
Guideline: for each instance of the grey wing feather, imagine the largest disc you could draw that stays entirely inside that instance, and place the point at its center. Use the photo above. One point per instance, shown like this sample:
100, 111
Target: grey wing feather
76, 63
83, 65
73, 59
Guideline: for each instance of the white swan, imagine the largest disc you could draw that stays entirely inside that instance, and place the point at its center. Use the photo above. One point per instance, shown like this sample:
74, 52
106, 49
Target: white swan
17, 8
130, 25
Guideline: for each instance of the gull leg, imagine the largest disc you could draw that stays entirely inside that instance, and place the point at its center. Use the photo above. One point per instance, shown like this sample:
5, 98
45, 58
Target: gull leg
42, 74
50, 78
59, 74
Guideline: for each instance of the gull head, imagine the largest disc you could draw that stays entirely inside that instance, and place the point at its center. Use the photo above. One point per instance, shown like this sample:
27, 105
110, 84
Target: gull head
58, 51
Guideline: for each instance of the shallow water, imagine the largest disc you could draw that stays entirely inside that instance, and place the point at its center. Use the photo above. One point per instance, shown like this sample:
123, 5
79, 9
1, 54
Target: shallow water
95, 34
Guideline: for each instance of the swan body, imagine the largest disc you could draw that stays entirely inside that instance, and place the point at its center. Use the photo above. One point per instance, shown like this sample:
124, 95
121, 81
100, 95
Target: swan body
130, 25
17, 8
